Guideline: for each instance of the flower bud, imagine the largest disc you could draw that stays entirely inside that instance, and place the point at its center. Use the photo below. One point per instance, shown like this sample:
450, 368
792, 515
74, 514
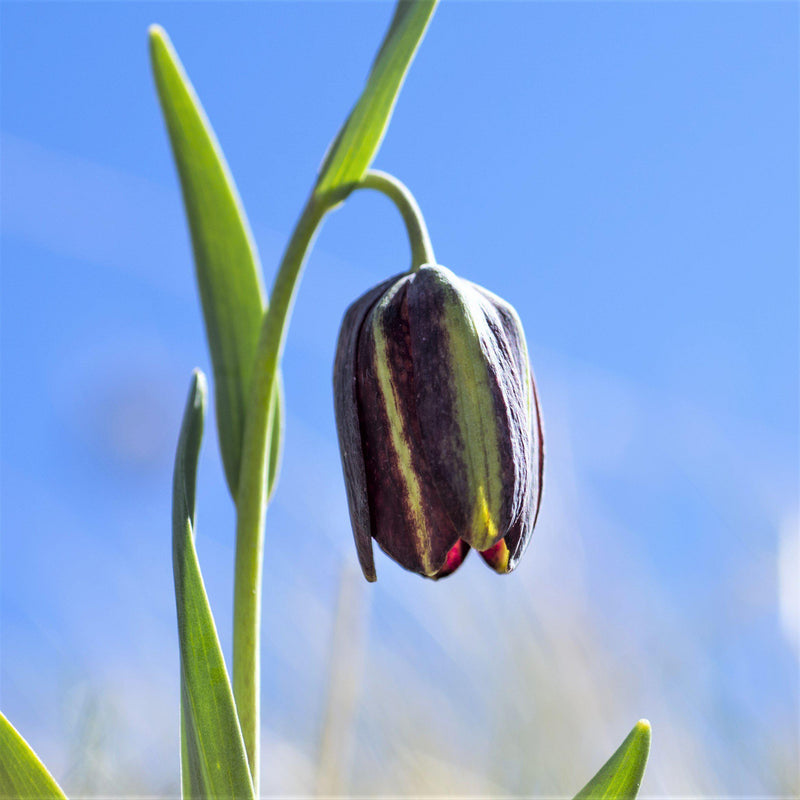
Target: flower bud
439, 424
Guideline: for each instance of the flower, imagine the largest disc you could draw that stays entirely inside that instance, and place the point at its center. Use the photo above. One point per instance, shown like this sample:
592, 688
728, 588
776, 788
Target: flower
439, 424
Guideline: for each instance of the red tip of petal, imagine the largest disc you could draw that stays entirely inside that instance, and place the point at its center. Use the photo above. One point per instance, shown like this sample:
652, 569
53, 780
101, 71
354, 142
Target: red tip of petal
455, 556
497, 557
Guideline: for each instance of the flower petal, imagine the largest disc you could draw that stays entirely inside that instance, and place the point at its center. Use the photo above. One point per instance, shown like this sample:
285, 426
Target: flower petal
471, 434
408, 520
455, 558
347, 423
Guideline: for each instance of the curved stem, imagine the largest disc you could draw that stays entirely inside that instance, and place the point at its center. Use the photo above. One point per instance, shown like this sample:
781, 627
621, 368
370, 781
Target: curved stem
251, 495
398, 193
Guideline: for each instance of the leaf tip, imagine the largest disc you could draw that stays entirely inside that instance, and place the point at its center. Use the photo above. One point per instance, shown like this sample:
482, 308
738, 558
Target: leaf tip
156, 33
199, 388
642, 733
159, 44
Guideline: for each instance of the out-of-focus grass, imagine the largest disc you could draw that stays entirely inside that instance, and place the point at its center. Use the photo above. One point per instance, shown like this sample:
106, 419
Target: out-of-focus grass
479, 687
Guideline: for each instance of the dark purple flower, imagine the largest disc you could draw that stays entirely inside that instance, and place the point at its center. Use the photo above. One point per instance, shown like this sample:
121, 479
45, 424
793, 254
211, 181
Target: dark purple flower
439, 424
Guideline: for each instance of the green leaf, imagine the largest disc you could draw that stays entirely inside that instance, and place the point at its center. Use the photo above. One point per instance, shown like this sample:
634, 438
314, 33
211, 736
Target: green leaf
354, 147
191, 769
22, 775
619, 778
214, 763
226, 260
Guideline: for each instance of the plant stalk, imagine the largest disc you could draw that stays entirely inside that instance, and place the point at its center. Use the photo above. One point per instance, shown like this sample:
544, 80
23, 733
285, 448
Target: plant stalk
251, 496
399, 194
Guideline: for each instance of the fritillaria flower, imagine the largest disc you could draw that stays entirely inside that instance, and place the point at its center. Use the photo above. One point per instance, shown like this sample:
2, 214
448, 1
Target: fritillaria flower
439, 424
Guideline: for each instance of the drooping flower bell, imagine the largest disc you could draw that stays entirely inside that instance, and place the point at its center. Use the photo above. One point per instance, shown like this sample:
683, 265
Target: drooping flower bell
439, 424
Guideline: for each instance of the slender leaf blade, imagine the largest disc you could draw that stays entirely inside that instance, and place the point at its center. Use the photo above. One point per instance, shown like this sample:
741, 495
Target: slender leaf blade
215, 764
620, 777
22, 774
226, 260
191, 766
356, 144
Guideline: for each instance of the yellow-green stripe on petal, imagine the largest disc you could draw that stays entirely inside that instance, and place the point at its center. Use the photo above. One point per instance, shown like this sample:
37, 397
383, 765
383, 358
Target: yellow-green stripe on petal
473, 412
467, 429
400, 438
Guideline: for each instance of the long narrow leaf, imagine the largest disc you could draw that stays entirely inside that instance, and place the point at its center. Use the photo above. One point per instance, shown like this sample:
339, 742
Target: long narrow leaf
191, 766
215, 764
226, 260
22, 775
620, 777
355, 146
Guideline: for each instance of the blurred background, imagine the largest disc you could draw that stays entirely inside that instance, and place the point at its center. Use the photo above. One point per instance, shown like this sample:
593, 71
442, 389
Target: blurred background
626, 174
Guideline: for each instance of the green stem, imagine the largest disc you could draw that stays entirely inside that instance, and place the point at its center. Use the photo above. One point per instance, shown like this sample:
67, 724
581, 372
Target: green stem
251, 496
398, 193
251, 499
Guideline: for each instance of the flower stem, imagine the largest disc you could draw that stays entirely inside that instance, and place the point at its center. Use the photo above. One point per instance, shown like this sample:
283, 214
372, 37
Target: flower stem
251, 495
398, 193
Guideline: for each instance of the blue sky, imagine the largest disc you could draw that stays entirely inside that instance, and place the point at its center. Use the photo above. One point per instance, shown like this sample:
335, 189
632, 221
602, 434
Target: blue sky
626, 174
